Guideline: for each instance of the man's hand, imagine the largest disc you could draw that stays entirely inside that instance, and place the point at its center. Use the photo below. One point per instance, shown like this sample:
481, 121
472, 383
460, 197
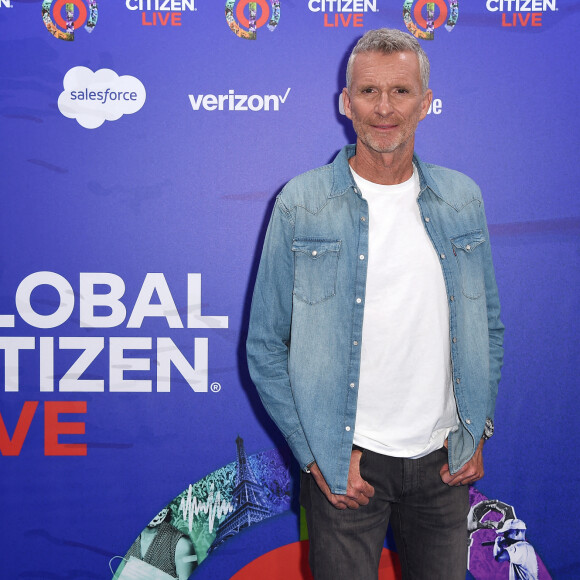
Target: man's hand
469, 473
358, 491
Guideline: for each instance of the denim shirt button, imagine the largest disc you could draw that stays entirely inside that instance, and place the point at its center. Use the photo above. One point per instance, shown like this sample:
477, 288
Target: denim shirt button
443, 256
351, 385
427, 219
361, 257
314, 252
468, 421
347, 428
363, 219
358, 300
452, 298
355, 342
457, 380
454, 339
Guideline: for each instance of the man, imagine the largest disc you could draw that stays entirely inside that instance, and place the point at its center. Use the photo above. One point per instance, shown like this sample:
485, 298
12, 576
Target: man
164, 547
511, 546
387, 417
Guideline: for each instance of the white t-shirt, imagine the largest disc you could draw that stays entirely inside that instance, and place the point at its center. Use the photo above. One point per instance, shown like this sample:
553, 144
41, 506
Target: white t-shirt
406, 406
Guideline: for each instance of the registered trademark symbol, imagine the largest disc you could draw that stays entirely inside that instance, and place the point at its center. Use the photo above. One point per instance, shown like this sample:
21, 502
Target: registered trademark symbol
215, 387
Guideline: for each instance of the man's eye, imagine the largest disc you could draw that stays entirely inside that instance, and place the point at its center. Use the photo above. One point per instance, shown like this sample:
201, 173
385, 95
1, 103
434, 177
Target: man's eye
368, 90
402, 91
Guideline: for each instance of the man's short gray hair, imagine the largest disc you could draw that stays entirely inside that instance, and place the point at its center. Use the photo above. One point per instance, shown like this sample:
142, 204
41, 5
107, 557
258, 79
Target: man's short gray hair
388, 41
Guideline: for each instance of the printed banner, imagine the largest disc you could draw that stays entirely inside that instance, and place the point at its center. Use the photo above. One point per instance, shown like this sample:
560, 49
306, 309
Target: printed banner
143, 144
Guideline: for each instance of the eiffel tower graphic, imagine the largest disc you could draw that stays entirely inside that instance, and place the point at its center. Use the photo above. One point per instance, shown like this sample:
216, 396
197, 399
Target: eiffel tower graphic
249, 499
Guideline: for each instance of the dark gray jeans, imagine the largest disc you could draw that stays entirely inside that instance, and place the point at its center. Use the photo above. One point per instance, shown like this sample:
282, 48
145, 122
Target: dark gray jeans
428, 517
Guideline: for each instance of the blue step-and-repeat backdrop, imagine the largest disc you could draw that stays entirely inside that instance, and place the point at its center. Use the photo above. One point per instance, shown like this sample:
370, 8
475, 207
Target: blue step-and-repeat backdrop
142, 145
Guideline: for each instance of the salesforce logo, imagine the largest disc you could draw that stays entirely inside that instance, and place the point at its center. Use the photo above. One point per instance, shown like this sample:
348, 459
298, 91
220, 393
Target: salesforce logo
95, 97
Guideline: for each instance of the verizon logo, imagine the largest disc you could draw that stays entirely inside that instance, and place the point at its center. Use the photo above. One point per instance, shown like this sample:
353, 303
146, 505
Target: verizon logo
234, 102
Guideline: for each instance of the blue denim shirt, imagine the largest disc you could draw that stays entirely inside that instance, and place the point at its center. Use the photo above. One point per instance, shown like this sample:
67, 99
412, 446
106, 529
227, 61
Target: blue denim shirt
304, 339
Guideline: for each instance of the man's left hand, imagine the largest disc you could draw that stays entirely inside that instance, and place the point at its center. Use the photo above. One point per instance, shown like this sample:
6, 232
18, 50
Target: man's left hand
469, 473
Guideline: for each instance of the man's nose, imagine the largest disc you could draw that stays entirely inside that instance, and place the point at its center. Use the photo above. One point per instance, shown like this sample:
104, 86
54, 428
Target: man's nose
383, 106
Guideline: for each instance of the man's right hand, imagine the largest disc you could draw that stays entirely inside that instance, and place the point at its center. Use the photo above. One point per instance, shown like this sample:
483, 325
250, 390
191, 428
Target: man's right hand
358, 491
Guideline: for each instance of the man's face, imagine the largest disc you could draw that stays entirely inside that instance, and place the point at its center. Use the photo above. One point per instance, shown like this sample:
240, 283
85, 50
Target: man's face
386, 101
516, 535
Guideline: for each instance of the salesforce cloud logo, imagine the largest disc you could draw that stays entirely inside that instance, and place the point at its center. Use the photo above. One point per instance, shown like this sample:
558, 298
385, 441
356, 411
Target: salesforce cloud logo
95, 97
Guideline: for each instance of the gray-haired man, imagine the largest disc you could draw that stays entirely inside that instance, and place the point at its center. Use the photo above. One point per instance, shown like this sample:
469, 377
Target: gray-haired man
375, 340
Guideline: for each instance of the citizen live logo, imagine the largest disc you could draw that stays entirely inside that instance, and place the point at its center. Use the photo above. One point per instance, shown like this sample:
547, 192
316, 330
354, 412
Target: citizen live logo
161, 12
235, 102
422, 17
342, 13
5, 4
521, 13
76, 15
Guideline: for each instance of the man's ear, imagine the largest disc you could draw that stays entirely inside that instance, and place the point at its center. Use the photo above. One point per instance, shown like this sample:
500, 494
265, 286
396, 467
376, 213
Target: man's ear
346, 103
427, 99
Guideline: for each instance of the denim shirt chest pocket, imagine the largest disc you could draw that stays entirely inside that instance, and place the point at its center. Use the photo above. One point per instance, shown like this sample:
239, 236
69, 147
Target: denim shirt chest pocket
315, 268
468, 250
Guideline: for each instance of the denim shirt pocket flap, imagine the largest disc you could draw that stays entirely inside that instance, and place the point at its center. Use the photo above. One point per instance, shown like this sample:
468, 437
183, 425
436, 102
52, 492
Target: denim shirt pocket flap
315, 268
470, 262
468, 242
315, 247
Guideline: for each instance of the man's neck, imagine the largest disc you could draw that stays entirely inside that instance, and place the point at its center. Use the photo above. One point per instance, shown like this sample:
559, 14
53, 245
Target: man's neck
382, 168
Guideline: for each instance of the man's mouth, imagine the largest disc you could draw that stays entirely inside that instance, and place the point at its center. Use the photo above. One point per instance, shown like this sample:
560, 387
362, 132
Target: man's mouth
384, 127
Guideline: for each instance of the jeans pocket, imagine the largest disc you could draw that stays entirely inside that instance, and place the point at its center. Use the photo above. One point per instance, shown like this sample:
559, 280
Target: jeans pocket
364, 458
315, 268
468, 249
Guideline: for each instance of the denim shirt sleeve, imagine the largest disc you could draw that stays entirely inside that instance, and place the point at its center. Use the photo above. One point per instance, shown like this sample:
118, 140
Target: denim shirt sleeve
494, 324
269, 331
461, 445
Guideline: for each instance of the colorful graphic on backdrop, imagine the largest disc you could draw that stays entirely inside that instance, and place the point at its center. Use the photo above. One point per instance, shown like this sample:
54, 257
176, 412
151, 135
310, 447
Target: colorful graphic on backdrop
498, 548
212, 510
423, 26
253, 21
68, 26
257, 487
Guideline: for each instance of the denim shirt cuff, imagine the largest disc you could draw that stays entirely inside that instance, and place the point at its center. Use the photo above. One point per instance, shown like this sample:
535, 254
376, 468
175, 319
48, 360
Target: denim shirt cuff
300, 448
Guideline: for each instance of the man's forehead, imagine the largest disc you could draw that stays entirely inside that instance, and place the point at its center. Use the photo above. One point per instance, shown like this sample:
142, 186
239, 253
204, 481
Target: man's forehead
407, 56
401, 63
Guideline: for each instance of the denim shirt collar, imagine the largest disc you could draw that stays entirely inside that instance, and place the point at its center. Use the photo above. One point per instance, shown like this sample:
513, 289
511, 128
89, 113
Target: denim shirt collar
342, 178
